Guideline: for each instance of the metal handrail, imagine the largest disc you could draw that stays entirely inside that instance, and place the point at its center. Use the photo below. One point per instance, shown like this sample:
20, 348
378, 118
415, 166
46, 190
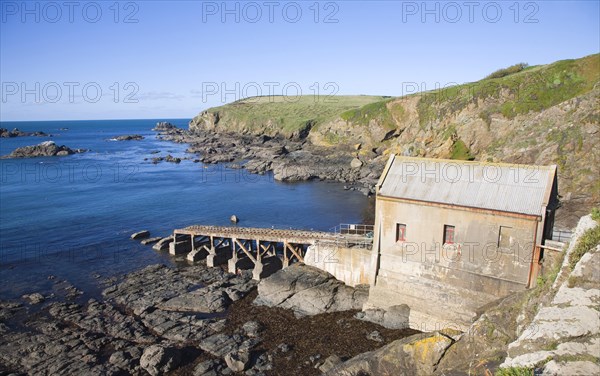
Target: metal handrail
350, 235
562, 235
352, 228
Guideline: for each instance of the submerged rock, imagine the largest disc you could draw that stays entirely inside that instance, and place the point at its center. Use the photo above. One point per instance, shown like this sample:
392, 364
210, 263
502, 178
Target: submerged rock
171, 159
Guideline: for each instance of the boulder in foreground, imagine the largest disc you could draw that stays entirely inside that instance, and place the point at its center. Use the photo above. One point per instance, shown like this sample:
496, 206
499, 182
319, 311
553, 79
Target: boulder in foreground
308, 291
415, 355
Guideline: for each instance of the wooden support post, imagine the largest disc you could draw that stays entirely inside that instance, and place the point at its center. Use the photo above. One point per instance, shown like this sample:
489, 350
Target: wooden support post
232, 263
286, 261
258, 253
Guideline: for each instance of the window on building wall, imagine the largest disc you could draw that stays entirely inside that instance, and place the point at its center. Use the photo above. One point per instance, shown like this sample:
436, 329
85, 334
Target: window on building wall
505, 237
448, 234
400, 232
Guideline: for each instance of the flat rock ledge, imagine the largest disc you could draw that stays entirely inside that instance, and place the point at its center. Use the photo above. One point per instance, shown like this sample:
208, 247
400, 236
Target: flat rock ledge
307, 290
143, 325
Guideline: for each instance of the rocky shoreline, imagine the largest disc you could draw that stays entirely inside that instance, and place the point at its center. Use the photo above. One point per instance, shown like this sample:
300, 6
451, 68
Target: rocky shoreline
289, 159
193, 320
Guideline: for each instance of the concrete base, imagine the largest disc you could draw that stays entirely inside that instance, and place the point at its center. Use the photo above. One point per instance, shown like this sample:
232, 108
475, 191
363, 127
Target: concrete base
349, 265
232, 265
267, 267
216, 259
197, 255
433, 305
180, 247
243, 263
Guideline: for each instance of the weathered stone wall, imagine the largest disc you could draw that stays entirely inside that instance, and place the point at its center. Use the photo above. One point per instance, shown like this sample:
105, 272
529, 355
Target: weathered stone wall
349, 265
475, 261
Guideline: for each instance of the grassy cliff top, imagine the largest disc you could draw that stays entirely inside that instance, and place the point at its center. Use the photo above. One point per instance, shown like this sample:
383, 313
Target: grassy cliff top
520, 88
294, 112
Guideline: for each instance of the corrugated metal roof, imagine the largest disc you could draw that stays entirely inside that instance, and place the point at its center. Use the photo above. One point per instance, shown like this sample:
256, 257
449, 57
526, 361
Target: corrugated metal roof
496, 186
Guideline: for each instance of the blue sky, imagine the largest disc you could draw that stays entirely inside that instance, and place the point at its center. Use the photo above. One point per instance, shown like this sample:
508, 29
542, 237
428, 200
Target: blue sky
159, 59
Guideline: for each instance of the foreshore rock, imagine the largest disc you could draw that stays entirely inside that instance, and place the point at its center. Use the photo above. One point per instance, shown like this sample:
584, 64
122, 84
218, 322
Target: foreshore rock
45, 149
5, 133
192, 320
308, 291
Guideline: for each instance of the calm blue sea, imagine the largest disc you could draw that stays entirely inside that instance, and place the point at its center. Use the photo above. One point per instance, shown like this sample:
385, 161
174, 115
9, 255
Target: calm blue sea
71, 216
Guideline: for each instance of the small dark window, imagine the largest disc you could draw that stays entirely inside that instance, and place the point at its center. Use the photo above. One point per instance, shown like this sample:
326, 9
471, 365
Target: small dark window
448, 234
505, 237
400, 232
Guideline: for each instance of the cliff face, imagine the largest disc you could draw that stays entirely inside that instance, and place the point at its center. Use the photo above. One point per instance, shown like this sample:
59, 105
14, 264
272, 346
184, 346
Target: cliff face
540, 115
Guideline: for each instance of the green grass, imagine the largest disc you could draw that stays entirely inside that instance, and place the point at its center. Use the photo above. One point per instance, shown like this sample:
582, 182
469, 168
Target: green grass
587, 241
461, 152
596, 214
290, 114
372, 111
515, 371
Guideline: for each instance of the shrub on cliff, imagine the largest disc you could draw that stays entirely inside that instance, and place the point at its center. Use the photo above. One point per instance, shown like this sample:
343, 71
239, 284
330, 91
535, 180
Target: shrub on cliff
508, 71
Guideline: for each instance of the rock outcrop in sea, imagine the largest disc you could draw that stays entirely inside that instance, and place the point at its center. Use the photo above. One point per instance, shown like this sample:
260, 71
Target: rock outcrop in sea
16, 132
128, 137
44, 149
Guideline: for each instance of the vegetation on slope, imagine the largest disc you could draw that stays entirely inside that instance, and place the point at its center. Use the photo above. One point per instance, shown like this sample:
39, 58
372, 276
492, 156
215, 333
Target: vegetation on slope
524, 90
589, 240
508, 71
